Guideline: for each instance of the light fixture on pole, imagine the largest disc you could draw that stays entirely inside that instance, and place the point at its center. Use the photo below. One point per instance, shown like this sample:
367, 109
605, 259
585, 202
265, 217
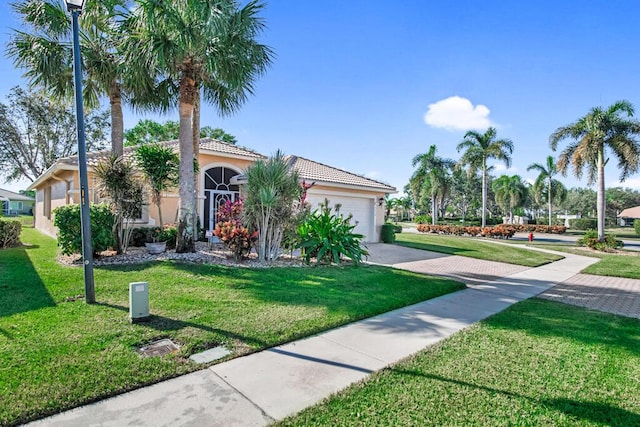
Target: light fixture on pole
75, 7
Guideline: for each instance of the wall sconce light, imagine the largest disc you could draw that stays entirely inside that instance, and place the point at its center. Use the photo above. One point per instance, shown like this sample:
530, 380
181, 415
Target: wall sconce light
381, 201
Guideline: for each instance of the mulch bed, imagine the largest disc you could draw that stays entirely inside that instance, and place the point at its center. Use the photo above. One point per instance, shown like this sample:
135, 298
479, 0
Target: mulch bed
204, 254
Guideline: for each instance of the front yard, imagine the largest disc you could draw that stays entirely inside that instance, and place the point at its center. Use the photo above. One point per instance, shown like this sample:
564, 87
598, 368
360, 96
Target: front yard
57, 352
537, 363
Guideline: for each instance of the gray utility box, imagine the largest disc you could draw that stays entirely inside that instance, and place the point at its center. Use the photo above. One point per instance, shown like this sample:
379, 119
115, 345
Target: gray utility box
139, 301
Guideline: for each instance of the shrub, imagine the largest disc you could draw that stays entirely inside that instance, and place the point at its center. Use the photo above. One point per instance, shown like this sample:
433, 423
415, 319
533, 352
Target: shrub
387, 234
590, 240
230, 230
397, 228
10, 233
327, 236
422, 219
583, 223
142, 235
636, 226
67, 219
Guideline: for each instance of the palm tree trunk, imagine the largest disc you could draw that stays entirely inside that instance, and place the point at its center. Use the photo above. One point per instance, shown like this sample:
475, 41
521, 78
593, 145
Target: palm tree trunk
600, 205
117, 122
434, 212
186, 225
196, 149
484, 193
550, 198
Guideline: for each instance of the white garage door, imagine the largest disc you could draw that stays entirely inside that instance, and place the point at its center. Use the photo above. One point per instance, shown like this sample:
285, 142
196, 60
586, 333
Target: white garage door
361, 208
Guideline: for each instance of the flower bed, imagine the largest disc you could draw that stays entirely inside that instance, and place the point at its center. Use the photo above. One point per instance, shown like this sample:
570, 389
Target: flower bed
502, 231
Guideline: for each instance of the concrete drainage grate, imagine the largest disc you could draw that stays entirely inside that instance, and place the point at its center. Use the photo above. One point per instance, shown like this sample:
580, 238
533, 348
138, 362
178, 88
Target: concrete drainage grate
159, 348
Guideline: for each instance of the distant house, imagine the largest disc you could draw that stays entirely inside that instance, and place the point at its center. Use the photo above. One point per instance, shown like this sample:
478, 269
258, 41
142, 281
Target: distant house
15, 204
627, 216
221, 167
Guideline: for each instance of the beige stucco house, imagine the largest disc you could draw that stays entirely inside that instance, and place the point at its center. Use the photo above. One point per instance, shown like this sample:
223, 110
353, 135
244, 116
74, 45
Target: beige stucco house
219, 164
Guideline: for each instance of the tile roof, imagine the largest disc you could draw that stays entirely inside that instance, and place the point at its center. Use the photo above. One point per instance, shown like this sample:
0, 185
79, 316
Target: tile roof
207, 144
307, 169
315, 171
630, 213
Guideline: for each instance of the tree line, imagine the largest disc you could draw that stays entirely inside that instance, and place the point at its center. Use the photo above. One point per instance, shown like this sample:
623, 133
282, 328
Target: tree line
439, 185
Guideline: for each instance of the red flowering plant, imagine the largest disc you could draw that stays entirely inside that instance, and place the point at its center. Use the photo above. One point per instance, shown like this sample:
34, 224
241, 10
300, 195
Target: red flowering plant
230, 230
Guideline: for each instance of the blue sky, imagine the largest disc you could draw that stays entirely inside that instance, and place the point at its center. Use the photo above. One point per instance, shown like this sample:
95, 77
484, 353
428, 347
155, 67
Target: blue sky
353, 80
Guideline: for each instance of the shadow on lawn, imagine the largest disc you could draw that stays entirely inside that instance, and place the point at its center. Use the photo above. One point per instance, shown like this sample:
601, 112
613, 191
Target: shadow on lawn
553, 319
21, 288
164, 324
585, 410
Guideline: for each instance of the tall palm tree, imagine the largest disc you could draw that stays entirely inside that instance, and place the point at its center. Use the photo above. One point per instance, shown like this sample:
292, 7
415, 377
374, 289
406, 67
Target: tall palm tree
589, 136
546, 184
480, 147
431, 177
510, 193
45, 50
194, 46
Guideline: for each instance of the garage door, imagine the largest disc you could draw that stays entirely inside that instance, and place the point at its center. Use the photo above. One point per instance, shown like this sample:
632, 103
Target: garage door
361, 208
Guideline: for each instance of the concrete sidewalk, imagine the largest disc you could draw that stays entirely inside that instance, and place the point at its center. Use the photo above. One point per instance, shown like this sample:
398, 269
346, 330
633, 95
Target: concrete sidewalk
257, 389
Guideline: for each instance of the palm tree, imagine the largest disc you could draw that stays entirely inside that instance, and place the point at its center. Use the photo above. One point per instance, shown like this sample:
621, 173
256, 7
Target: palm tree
431, 177
546, 184
481, 147
589, 137
45, 51
194, 46
510, 192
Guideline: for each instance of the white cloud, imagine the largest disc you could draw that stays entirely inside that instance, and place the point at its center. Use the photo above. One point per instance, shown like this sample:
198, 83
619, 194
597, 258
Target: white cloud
457, 113
633, 183
502, 169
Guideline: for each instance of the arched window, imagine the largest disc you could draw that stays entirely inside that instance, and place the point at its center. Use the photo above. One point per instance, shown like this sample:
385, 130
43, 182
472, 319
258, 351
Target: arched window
217, 191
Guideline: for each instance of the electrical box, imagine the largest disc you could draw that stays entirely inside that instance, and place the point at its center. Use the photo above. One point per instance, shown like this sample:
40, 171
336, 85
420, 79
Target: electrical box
139, 301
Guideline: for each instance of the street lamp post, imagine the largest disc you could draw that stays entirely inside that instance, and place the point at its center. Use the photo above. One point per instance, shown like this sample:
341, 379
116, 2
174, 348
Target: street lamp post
75, 8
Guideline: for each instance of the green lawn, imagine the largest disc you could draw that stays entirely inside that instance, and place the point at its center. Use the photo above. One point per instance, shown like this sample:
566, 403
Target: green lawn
475, 248
537, 363
57, 352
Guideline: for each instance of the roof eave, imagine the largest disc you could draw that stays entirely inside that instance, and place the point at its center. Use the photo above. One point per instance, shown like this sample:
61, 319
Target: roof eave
58, 166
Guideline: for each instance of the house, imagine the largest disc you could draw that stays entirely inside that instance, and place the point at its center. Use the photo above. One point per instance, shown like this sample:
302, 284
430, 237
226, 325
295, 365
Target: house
221, 167
627, 216
15, 204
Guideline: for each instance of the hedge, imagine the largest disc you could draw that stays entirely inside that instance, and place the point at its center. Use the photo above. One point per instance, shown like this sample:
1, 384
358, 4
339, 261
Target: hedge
502, 231
387, 234
583, 223
67, 219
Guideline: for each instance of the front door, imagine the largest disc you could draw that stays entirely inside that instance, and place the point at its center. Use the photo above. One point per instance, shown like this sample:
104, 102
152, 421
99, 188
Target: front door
217, 191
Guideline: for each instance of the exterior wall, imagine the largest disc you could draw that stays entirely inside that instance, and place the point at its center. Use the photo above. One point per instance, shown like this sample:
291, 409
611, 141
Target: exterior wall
49, 196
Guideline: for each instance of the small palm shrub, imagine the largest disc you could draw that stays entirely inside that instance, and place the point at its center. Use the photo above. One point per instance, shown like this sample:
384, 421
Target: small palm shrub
67, 219
327, 236
590, 240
